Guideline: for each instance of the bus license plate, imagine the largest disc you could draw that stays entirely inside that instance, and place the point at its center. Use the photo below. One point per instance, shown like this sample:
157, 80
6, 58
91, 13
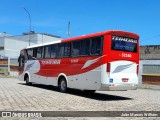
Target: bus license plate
124, 79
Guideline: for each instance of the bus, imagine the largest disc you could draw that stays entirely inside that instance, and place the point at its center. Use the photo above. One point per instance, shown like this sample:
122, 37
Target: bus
101, 61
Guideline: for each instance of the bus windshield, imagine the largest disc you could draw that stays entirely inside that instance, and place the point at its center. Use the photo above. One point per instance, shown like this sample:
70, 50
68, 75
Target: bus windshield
124, 44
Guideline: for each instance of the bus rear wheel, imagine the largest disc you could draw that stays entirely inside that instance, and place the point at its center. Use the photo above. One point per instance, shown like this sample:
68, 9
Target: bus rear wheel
27, 80
62, 85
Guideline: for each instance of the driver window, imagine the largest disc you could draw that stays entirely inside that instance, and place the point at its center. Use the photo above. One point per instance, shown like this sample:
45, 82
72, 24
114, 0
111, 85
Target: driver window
22, 58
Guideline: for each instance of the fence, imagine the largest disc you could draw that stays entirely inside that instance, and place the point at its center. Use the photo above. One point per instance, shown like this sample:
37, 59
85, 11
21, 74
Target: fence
9, 66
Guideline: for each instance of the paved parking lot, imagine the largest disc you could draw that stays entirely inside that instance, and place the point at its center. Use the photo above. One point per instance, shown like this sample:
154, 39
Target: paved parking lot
16, 96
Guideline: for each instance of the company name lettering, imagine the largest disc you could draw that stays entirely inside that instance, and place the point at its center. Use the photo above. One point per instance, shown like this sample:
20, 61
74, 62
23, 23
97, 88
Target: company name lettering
50, 62
124, 39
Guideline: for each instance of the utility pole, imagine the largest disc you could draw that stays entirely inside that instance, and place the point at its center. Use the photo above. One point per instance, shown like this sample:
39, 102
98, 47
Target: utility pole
69, 29
30, 29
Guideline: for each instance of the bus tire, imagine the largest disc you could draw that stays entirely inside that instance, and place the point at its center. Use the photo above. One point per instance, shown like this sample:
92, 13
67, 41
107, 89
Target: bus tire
89, 91
62, 85
27, 80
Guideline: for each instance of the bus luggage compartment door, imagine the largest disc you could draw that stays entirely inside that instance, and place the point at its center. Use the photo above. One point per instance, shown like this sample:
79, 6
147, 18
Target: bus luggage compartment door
123, 72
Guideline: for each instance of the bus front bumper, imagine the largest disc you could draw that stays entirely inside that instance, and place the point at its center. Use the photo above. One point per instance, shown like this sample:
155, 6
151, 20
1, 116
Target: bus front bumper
118, 87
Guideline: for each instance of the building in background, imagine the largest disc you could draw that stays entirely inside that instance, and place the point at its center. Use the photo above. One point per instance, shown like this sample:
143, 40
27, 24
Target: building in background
149, 67
10, 46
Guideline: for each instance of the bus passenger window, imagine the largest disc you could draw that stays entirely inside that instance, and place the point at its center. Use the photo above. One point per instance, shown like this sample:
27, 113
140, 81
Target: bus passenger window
39, 53
53, 51
47, 51
76, 45
85, 47
67, 49
96, 44
30, 54
60, 50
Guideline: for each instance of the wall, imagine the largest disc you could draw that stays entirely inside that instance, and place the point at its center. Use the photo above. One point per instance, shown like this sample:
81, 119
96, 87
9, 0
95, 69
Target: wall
1, 53
1, 47
9, 66
151, 52
45, 38
1, 41
149, 64
153, 70
14, 44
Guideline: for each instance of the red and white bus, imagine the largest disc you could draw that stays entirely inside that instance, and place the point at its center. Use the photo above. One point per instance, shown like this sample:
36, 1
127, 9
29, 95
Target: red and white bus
102, 61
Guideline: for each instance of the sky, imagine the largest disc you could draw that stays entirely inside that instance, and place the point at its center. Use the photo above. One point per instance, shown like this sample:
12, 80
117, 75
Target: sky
86, 16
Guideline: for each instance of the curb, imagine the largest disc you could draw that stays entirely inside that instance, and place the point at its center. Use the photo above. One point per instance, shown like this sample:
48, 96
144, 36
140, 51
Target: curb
146, 86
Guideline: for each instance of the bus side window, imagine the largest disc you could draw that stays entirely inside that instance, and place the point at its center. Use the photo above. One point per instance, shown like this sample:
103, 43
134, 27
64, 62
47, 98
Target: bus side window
22, 58
76, 46
60, 50
21, 62
39, 53
30, 54
47, 52
34, 56
53, 51
67, 50
85, 45
96, 44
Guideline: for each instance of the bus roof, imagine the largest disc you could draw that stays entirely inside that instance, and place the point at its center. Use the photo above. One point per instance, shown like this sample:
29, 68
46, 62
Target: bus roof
48, 43
112, 32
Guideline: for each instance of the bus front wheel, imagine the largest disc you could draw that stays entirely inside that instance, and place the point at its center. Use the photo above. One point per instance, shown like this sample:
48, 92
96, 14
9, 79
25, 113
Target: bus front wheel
27, 80
62, 85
